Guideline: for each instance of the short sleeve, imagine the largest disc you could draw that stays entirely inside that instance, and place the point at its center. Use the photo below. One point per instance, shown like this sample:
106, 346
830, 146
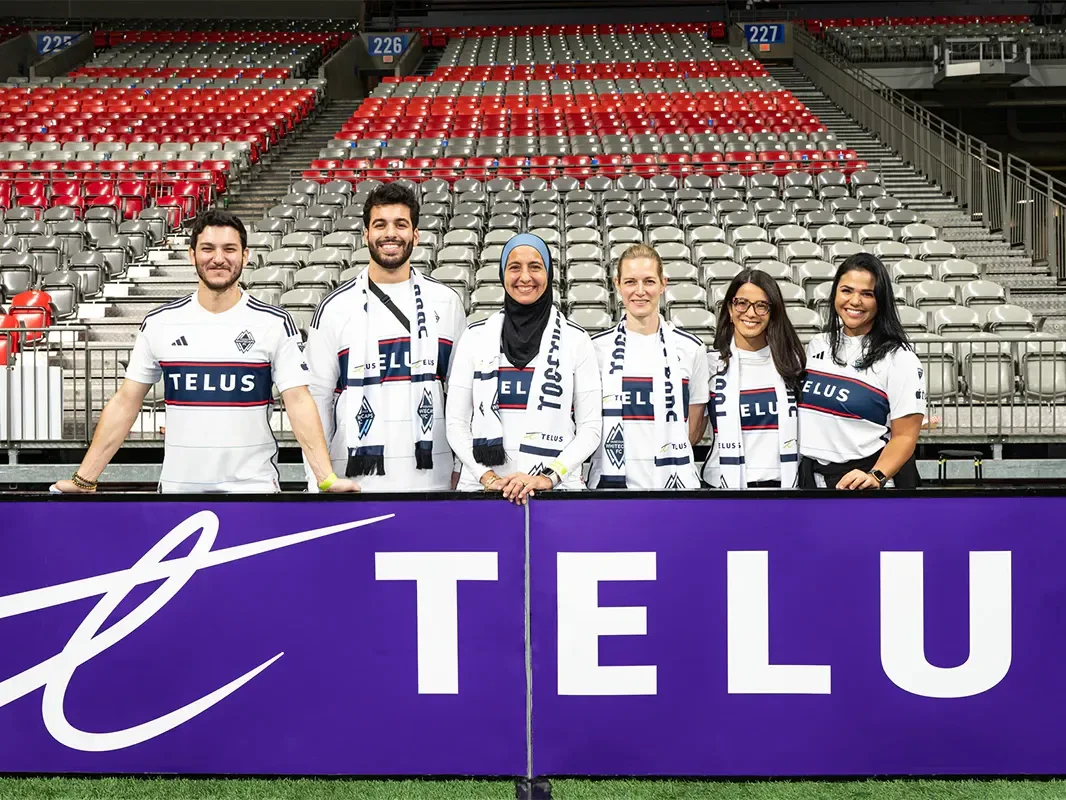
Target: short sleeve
143, 366
906, 385
461, 368
813, 347
322, 354
288, 364
588, 406
458, 326
714, 363
699, 383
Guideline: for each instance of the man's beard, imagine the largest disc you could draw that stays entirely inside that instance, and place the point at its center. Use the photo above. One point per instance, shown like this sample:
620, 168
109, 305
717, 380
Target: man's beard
234, 276
391, 262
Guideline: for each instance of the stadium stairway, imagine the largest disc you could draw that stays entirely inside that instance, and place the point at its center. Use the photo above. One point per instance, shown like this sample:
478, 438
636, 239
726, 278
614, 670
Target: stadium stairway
1029, 286
430, 61
272, 182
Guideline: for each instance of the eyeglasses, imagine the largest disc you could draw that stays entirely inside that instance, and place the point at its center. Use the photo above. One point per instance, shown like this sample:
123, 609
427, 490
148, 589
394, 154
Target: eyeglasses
762, 308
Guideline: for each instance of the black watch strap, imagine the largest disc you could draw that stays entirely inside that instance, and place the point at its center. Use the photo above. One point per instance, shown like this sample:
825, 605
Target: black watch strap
882, 478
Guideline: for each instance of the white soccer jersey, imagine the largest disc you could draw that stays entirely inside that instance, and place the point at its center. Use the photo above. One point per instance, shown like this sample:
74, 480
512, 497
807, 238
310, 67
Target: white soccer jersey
758, 417
643, 353
218, 371
328, 341
845, 413
576, 441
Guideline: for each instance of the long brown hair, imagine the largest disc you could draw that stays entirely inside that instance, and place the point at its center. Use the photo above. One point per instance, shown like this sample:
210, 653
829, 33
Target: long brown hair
787, 351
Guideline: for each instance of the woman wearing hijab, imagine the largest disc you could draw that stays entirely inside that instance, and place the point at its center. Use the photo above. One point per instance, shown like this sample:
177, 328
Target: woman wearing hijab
756, 369
523, 410
655, 387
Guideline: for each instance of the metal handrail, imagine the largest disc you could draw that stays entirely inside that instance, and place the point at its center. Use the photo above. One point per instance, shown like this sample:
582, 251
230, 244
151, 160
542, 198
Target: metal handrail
1002, 191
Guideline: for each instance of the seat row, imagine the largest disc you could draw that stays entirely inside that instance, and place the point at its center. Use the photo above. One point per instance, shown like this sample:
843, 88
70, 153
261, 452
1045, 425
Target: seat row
72, 259
708, 166
440, 36
567, 151
947, 21
576, 49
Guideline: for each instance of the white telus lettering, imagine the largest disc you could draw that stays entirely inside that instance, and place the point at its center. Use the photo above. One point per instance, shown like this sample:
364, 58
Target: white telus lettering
903, 626
748, 622
582, 621
436, 577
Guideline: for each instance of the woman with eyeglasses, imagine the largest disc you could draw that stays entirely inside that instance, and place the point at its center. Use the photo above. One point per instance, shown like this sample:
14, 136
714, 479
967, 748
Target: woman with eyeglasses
756, 369
654, 378
864, 395
523, 409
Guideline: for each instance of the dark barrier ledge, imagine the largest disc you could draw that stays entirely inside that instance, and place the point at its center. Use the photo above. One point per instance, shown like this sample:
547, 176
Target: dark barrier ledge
702, 494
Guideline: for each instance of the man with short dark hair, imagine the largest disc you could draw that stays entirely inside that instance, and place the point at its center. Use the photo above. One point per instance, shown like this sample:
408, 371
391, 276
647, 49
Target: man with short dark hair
219, 352
379, 350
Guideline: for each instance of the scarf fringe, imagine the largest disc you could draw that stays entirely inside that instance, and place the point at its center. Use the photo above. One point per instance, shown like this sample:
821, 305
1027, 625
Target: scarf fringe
424, 456
365, 465
490, 455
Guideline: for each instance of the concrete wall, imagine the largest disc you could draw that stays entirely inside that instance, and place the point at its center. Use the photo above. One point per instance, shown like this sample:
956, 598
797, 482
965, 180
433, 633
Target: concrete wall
918, 77
782, 50
912, 8
352, 72
218, 10
65, 60
16, 56
512, 12
341, 72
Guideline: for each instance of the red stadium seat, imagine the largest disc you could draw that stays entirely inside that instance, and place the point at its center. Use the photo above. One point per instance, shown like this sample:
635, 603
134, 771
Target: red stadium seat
34, 311
9, 338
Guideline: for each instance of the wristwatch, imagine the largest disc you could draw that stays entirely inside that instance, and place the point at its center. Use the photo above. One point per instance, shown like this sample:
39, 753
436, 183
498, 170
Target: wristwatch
551, 475
882, 478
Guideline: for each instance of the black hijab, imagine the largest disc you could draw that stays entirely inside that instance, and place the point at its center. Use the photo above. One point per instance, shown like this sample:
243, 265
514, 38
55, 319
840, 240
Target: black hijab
523, 325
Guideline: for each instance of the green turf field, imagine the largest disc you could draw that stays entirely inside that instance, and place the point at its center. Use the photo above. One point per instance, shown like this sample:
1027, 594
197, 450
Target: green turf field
242, 789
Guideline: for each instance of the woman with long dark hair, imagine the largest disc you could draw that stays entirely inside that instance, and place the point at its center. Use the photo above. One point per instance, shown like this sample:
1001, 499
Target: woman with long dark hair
523, 410
864, 396
756, 370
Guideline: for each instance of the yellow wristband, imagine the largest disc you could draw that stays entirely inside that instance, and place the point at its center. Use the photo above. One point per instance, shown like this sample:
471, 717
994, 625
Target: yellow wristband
329, 481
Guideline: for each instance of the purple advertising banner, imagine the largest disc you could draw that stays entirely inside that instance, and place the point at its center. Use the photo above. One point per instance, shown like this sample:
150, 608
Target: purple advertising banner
366, 637
798, 636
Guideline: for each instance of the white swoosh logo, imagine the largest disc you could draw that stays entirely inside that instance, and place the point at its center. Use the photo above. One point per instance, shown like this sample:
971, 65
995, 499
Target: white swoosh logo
55, 673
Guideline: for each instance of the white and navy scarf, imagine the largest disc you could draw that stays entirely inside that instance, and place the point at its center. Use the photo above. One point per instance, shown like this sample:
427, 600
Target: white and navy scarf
548, 417
730, 438
671, 431
373, 398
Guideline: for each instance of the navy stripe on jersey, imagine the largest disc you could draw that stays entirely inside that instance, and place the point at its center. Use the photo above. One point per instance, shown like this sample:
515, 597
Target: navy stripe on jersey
284, 316
329, 298
637, 398
395, 360
849, 398
533, 450
168, 307
196, 383
694, 339
513, 385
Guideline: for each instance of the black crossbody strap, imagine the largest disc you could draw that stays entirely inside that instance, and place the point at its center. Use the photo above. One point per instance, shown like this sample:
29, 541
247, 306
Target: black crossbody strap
391, 306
